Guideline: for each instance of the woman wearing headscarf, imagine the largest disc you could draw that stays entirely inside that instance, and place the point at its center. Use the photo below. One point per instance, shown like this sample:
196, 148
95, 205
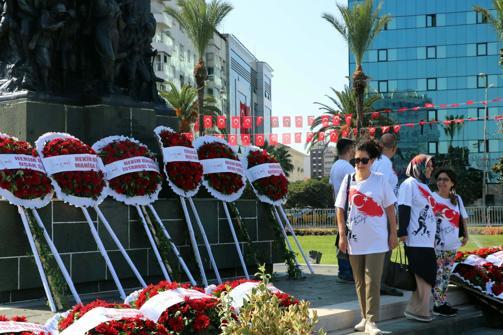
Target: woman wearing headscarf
451, 226
417, 226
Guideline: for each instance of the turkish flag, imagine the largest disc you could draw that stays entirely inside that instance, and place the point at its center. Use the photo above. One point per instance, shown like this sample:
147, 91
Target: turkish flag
334, 136
286, 121
221, 122
273, 139
274, 122
321, 136
422, 123
396, 128
365, 204
375, 115
235, 122
336, 120
410, 125
298, 121
259, 140
348, 120
207, 121
324, 120
345, 133
372, 131
298, 137
189, 136
309, 137
245, 139
385, 129
429, 105
310, 120
247, 122
260, 120
232, 139
287, 138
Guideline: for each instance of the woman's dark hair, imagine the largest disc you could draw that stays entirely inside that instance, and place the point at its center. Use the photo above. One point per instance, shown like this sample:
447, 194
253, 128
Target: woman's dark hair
371, 147
452, 176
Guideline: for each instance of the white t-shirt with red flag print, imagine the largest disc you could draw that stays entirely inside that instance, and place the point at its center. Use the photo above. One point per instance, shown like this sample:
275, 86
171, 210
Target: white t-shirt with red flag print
447, 235
422, 224
367, 223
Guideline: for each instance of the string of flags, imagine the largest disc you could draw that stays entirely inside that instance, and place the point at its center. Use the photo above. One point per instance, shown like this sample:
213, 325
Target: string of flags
331, 135
245, 121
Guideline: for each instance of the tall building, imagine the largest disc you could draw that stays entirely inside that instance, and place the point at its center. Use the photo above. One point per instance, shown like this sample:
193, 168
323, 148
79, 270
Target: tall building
446, 53
249, 88
322, 157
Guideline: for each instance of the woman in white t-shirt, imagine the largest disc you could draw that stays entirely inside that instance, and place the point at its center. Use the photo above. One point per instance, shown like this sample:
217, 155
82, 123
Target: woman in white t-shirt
451, 225
366, 199
417, 226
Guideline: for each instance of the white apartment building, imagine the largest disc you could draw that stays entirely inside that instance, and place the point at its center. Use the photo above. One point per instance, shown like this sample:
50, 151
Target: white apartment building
176, 56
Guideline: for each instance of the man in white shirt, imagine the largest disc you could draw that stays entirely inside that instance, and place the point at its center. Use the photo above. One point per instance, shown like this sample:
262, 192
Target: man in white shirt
384, 166
341, 168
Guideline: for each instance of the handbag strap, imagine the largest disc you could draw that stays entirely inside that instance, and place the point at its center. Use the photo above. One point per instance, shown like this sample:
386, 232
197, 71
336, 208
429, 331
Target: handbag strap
346, 204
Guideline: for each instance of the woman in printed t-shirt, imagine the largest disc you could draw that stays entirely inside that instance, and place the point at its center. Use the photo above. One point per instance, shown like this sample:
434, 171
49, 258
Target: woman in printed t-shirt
451, 225
417, 228
369, 201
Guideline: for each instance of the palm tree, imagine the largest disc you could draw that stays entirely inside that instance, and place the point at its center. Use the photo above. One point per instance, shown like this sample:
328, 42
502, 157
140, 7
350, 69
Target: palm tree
496, 22
452, 127
345, 102
200, 20
281, 154
184, 102
360, 25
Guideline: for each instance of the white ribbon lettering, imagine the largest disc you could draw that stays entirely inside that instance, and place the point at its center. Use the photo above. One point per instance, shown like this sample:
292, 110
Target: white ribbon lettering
129, 165
15, 161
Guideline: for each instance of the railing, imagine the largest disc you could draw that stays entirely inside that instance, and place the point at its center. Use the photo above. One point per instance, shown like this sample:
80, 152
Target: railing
325, 217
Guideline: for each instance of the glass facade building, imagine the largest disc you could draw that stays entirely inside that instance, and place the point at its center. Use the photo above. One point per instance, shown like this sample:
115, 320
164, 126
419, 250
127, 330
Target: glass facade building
445, 53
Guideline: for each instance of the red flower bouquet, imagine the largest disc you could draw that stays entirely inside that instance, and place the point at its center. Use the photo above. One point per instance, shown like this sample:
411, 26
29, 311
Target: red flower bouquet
18, 325
23, 181
223, 171
76, 171
182, 309
265, 175
183, 170
131, 170
120, 319
247, 285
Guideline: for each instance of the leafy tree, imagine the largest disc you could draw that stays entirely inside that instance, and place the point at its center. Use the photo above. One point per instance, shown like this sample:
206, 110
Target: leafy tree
312, 193
453, 127
495, 21
360, 25
498, 168
200, 20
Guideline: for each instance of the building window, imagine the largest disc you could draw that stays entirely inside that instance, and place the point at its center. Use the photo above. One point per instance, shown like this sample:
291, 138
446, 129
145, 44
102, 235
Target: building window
432, 115
383, 86
481, 81
431, 20
210, 70
382, 55
481, 19
481, 49
210, 56
432, 147
210, 91
482, 147
431, 52
431, 84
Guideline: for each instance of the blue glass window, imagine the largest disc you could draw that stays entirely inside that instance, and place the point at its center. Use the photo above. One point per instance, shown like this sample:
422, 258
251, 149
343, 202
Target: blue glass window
431, 20
382, 55
431, 52
383, 86
481, 49
431, 84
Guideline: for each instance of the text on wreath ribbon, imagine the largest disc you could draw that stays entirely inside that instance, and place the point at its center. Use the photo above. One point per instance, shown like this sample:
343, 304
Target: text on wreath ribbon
179, 154
16, 161
221, 165
69, 163
129, 165
263, 171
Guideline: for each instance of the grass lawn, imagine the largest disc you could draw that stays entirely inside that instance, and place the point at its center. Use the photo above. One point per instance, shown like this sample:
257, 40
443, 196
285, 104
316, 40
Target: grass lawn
325, 244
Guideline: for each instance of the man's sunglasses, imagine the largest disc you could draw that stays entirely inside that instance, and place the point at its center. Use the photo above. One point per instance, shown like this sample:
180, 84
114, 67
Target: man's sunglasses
364, 160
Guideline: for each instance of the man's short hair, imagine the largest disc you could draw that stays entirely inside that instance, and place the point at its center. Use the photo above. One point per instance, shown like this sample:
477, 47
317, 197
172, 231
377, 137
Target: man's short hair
388, 141
343, 146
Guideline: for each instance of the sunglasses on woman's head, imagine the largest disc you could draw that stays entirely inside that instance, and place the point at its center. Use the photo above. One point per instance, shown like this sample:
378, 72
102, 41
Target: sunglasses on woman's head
364, 160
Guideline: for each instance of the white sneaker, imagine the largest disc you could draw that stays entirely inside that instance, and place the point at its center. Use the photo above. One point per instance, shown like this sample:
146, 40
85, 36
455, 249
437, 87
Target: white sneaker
371, 329
360, 326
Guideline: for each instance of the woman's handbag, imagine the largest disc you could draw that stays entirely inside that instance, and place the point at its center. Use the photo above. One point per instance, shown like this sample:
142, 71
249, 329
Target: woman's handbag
399, 274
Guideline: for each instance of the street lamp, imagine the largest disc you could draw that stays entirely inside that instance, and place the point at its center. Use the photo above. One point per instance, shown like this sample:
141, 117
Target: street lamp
486, 149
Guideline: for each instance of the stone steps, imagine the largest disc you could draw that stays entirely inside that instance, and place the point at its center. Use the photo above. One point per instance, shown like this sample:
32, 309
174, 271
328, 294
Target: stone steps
345, 315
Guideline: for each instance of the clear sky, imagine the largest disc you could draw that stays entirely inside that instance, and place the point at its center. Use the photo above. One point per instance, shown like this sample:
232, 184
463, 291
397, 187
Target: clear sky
306, 53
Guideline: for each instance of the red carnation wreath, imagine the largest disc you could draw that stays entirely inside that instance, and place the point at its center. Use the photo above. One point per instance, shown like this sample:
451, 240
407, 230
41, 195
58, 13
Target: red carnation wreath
183, 170
120, 319
246, 286
223, 171
265, 175
181, 308
18, 325
131, 170
75, 169
23, 181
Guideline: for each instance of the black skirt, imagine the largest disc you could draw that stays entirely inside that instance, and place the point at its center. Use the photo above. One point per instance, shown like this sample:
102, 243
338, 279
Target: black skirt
423, 262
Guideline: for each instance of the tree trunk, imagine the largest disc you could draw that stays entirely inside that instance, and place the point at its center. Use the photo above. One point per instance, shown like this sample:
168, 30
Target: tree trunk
359, 85
200, 75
